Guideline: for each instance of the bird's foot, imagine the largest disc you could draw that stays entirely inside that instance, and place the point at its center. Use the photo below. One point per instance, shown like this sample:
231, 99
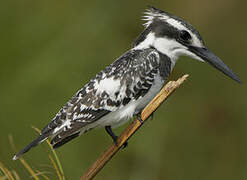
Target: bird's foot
125, 144
114, 137
139, 118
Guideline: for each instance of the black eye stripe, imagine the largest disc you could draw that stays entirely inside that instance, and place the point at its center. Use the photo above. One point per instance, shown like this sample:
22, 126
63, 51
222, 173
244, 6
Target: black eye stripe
185, 35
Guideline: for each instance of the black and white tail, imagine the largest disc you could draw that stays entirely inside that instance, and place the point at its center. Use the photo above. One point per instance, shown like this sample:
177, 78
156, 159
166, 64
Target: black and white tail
34, 143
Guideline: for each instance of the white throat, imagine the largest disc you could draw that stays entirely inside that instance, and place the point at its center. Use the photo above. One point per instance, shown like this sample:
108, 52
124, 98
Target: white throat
166, 46
169, 47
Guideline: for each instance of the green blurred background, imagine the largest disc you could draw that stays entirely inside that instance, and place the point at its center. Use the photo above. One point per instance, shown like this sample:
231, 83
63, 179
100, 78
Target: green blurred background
51, 48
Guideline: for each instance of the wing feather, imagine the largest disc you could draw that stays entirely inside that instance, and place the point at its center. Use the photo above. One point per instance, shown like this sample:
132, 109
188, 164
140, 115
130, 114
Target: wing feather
128, 78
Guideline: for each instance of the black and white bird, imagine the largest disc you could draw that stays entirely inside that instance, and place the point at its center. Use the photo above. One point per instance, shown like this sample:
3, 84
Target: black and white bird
126, 86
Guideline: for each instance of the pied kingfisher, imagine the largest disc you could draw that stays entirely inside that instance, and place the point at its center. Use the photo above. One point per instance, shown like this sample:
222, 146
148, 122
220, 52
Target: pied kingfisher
126, 86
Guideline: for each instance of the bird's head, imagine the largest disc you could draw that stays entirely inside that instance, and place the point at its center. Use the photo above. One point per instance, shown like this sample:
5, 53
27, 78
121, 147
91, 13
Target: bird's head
172, 36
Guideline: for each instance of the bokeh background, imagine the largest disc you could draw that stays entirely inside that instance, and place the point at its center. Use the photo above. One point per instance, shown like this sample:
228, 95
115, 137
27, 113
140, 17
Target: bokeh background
51, 48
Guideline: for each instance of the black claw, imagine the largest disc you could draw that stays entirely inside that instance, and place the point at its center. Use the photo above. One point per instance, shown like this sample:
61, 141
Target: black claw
125, 145
111, 133
114, 137
115, 141
139, 118
152, 116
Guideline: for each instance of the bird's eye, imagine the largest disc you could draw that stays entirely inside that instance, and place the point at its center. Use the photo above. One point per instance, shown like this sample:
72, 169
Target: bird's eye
185, 35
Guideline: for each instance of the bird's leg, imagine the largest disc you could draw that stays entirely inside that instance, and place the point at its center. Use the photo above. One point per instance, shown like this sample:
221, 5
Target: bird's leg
114, 137
139, 117
111, 133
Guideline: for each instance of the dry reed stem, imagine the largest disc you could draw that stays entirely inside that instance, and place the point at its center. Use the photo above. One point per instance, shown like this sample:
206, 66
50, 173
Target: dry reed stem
132, 128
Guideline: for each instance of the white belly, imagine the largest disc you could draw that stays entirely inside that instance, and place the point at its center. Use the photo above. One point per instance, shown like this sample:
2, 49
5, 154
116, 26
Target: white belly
122, 115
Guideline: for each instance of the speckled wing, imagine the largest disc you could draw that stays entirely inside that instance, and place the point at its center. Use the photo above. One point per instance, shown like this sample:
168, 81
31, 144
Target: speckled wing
128, 78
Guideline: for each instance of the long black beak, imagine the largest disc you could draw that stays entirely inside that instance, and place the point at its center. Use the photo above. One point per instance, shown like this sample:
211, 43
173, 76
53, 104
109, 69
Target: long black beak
212, 59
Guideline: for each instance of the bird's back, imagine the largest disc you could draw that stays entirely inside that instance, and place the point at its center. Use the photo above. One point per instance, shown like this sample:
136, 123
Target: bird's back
116, 93
124, 82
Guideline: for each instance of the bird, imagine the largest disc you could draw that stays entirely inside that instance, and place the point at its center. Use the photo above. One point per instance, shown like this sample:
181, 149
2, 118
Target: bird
125, 87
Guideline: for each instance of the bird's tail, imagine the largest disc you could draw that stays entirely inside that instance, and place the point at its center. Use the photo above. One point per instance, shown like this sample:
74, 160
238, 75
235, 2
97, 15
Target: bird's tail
34, 143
